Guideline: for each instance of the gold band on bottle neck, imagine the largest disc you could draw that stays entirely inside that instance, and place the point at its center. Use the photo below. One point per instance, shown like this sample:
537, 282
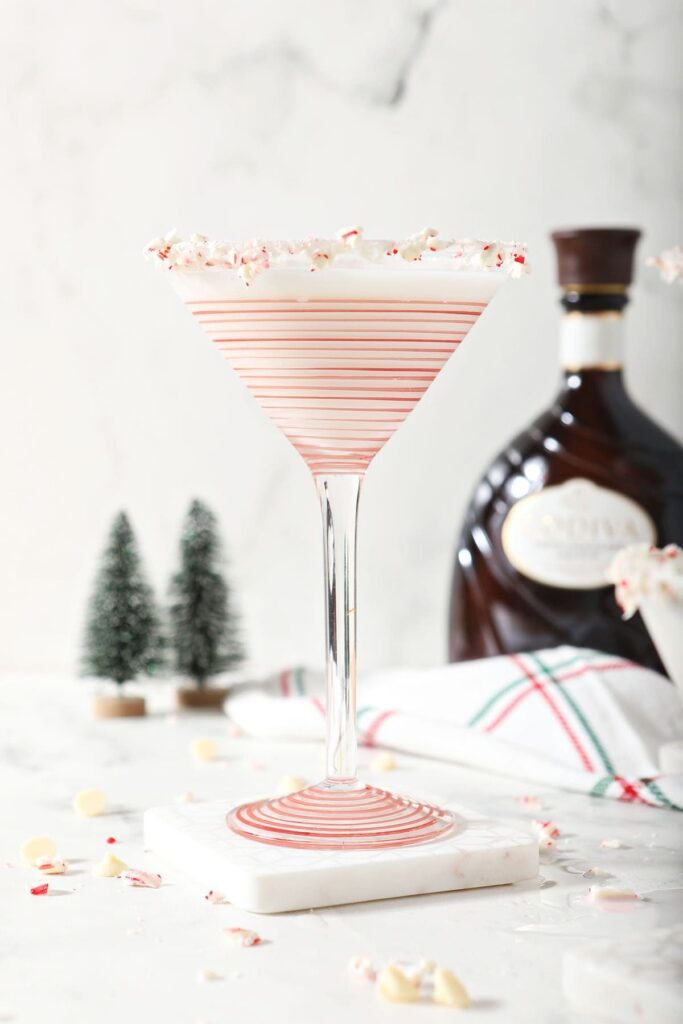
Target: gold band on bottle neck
603, 314
583, 367
596, 289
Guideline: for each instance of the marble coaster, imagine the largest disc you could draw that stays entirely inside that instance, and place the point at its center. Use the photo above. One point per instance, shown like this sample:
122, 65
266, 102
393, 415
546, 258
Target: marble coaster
267, 880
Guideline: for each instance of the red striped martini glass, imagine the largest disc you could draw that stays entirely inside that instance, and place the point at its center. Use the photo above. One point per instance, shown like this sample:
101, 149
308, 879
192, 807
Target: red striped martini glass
338, 340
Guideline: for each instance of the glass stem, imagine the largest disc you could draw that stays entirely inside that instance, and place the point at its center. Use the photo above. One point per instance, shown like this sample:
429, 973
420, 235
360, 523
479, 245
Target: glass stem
339, 504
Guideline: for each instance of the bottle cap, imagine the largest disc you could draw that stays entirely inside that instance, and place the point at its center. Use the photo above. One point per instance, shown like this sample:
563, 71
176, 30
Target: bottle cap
595, 259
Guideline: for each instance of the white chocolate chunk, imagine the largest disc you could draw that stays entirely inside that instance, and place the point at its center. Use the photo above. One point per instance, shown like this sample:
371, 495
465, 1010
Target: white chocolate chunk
37, 847
90, 803
598, 893
203, 749
448, 990
395, 986
384, 762
289, 784
206, 974
109, 867
613, 844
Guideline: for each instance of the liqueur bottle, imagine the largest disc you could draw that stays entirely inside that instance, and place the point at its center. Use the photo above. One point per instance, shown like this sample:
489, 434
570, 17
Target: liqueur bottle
590, 475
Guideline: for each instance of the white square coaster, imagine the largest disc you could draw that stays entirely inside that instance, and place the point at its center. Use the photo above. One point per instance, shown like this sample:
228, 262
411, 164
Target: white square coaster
268, 880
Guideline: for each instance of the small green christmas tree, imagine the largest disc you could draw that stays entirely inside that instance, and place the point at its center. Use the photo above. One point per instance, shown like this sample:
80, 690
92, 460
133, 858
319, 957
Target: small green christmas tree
203, 625
122, 636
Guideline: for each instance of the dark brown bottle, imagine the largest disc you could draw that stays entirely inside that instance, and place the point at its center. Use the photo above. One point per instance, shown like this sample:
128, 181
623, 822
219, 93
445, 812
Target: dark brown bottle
590, 475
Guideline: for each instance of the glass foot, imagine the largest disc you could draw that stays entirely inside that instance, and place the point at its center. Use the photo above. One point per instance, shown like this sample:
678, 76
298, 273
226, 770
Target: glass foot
334, 816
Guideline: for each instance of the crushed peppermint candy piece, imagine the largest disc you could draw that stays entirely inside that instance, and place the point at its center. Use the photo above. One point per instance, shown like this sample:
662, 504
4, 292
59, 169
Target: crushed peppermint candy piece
384, 762
110, 839
40, 890
213, 896
240, 937
531, 803
424, 969
394, 986
361, 966
141, 879
50, 865
613, 844
669, 264
449, 990
643, 571
546, 828
600, 893
185, 798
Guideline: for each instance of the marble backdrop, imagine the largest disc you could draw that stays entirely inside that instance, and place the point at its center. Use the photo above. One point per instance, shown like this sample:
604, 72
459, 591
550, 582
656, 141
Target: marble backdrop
127, 117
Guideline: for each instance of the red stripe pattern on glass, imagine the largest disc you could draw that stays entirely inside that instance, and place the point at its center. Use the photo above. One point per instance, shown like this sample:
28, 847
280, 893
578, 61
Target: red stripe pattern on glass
323, 817
337, 376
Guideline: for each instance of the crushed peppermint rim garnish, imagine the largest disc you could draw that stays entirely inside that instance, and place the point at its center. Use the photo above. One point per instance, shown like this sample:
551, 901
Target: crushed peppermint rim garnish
669, 264
642, 571
249, 259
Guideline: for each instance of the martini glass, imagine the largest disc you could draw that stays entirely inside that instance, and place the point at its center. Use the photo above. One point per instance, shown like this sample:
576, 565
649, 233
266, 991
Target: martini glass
338, 343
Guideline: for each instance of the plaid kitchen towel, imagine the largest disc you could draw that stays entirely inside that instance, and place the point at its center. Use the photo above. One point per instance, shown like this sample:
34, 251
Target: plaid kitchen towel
564, 717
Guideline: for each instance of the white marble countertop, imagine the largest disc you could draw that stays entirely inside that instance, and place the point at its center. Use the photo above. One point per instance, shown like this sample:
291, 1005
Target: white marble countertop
94, 950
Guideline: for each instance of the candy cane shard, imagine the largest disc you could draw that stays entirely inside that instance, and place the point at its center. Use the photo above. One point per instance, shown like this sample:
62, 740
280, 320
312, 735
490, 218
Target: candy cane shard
141, 879
215, 897
240, 937
361, 966
51, 865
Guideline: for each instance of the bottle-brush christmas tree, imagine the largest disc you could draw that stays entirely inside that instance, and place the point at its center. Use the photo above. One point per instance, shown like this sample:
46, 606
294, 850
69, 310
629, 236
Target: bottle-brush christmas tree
204, 631
122, 636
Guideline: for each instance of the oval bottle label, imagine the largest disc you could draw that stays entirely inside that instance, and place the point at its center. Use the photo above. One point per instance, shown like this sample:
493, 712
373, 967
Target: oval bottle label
566, 536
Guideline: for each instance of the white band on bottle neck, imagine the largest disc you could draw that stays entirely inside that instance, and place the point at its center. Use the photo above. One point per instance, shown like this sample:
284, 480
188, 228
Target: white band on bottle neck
591, 340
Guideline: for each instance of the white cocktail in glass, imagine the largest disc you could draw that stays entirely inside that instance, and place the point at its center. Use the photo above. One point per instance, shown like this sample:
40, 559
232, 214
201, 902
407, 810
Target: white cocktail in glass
338, 340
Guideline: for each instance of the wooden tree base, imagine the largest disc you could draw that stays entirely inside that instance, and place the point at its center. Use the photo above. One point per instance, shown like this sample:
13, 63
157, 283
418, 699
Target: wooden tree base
119, 707
209, 697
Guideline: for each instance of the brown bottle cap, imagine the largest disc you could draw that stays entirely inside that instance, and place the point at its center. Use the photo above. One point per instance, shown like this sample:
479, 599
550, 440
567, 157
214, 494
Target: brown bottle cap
595, 257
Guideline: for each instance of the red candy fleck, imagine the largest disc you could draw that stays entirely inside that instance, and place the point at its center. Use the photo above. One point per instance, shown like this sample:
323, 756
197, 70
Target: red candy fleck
111, 839
40, 890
